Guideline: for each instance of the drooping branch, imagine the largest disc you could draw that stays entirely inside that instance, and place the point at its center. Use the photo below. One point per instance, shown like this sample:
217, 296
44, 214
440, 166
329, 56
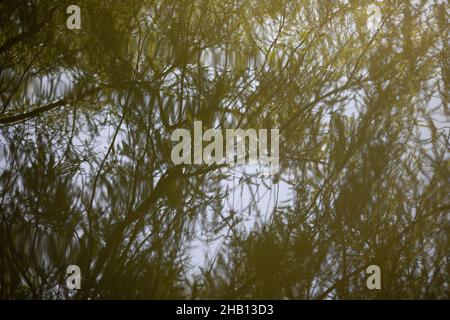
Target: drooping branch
31, 114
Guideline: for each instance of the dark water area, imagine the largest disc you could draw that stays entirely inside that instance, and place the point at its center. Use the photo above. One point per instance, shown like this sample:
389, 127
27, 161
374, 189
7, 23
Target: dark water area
92, 96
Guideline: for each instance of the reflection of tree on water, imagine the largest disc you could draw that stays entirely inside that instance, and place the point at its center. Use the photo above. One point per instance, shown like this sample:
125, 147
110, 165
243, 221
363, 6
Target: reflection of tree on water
87, 179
